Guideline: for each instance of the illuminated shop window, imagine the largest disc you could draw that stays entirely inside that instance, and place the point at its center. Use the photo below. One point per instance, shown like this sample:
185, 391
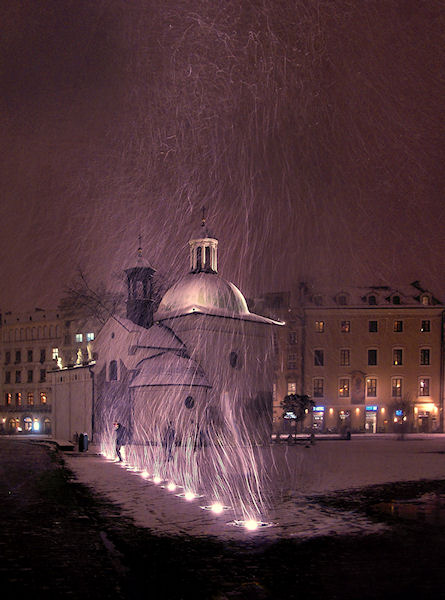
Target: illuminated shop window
90, 336
79, 338
27, 424
43, 398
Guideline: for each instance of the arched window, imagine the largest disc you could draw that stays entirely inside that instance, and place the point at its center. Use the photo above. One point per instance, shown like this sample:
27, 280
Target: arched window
207, 256
113, 370
372, 300
198, 258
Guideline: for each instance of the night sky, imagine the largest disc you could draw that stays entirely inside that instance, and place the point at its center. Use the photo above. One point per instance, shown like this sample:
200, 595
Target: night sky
311, 130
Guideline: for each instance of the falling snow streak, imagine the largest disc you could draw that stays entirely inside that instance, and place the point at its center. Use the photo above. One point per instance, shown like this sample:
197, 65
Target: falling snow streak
311, 129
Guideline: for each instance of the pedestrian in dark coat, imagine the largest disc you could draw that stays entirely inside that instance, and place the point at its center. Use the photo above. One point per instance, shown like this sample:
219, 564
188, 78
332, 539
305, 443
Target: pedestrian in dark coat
121, 439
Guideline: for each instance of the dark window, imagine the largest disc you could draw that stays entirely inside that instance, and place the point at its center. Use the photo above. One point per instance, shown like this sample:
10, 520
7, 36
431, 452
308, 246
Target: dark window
372, 326
318, 358
425, 326
318, 388
342, 300
7, 358
424, 356
189, 402
345, 357
29, 376
18, 376
42, 355
29, 355
372, 357
18, 357
372, 300
42, 375
7, 376
396, 299
113, 370
207, 257
199, 258
292, 338
291, 362
233, 359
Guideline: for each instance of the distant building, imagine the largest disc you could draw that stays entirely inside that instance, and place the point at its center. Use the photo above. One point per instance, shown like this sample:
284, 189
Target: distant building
372, 359
32, 345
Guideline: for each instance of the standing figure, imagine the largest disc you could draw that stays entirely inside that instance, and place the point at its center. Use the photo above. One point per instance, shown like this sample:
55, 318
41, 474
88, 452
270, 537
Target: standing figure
169, 440
120, 439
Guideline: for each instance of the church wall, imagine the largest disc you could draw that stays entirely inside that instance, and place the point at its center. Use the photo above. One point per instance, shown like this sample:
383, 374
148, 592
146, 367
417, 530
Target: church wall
73, 402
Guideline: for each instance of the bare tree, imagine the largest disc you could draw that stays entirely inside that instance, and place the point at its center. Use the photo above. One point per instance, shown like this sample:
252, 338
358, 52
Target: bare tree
296, 407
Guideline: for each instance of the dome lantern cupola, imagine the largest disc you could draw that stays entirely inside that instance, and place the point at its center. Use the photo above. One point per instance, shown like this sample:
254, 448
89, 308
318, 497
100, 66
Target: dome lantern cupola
204, 250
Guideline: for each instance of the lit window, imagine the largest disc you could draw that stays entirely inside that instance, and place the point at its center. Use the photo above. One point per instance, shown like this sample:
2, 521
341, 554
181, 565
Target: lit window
42, 375
396, 388
398, 326
90, 336
345, 326
291, 387
30, 398
291, 361
319, 326
397, 356
425, 300
318, 388
8, 398
425, 326
343, 388
345, 357
372, 357
371, 388
425, 356
55, 353
318, 358
43, 398
79, 338
424, 386
372, 326
18, 399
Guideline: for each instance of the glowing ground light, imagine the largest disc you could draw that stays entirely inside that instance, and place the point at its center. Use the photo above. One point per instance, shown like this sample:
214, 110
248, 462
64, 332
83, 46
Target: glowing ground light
217, 508
144, 474
157, 479
171, 486
251, 524
189, 496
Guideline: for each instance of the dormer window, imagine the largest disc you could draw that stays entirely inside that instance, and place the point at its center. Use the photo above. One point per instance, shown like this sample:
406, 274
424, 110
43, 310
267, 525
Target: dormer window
425, 299
396, 299
318, 300
372, 300
342, 300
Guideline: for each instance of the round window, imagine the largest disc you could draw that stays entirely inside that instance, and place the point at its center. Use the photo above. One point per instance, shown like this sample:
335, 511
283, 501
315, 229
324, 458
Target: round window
189, 402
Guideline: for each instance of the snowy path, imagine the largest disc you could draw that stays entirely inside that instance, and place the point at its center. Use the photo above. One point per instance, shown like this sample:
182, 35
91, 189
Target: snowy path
296, 472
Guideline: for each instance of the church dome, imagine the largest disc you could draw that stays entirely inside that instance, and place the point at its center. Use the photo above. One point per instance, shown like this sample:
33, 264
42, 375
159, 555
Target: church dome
206, 293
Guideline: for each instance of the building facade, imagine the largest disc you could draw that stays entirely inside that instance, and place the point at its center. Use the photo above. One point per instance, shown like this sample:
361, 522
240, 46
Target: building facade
33, 344
372, 359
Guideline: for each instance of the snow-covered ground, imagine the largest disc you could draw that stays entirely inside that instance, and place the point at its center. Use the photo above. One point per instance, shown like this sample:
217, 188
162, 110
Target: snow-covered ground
297, 473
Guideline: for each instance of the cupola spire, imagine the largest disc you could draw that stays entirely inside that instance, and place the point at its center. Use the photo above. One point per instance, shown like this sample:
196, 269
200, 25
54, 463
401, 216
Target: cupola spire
204, 249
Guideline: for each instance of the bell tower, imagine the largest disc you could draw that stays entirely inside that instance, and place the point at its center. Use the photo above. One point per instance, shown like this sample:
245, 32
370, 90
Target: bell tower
140, 291
204, 250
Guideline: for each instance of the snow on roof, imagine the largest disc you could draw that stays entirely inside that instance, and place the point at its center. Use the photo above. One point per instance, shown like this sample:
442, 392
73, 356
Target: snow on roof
206, 293
169, 369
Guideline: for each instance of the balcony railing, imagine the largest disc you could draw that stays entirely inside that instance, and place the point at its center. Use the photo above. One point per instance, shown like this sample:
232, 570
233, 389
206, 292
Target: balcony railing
42, 408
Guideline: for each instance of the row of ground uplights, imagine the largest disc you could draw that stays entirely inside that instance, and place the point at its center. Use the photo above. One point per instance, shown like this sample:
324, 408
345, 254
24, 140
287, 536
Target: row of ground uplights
216, 508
